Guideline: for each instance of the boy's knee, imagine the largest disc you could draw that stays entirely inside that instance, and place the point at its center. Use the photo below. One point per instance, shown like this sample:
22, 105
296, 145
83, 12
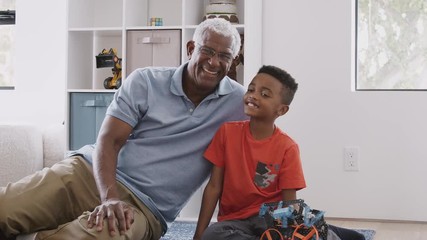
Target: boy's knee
209, 234
214, 232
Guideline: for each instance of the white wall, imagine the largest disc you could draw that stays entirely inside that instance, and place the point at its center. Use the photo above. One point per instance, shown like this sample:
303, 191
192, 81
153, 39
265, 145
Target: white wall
312, 40
38, 97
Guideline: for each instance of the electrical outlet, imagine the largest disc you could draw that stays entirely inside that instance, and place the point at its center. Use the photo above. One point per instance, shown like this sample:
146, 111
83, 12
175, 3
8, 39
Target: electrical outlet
351, 158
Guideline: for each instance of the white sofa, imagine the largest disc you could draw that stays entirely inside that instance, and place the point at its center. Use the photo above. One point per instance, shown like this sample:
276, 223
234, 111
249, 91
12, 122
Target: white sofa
26, 148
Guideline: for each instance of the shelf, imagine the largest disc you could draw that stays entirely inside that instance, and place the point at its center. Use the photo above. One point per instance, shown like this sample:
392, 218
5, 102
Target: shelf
138, 12
97, 24
95, 13
83, 46
153, 27
95, 29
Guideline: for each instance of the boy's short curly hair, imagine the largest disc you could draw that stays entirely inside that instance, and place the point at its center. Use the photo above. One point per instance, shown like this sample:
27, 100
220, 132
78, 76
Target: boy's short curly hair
288, 82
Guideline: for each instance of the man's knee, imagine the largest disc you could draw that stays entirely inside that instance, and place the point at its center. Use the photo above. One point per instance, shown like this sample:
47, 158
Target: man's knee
78, 229
7, 229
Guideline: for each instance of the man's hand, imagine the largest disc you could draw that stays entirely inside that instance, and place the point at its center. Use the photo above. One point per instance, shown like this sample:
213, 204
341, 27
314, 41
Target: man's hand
117, 213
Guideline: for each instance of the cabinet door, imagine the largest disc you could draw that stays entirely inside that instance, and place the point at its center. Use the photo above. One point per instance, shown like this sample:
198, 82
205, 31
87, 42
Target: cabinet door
87, 111
167, 48
153, 48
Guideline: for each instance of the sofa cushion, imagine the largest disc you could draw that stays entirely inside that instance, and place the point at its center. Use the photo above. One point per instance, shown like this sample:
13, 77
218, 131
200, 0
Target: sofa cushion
53, 144
21, 152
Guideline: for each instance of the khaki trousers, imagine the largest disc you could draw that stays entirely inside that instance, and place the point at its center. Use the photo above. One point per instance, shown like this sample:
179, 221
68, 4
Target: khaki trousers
55, 202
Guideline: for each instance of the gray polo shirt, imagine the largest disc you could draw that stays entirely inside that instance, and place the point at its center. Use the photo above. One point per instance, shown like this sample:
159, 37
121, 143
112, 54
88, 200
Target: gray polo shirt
162, 161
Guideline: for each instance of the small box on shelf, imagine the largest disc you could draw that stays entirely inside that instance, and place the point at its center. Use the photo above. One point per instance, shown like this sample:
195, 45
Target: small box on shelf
156, 21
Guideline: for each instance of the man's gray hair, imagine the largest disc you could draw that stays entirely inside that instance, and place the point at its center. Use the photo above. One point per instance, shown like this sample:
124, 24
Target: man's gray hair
220, 26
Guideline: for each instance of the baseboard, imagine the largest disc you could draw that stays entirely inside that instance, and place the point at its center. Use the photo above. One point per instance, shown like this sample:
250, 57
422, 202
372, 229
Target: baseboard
375, 220
194, 219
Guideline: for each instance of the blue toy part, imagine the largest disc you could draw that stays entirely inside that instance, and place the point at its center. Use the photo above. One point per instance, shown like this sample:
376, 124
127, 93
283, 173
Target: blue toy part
263, 209
267, 208
280, 205
311, 217
284, 214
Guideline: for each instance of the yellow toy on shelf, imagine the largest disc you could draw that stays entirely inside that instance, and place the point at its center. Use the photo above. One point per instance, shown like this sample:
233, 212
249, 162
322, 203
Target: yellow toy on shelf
109, 58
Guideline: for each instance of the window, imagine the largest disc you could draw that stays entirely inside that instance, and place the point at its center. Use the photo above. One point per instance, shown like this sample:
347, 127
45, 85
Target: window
7, 43
391, 45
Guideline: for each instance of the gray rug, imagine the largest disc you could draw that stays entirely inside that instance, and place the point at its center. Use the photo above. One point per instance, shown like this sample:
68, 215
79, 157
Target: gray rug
185, 230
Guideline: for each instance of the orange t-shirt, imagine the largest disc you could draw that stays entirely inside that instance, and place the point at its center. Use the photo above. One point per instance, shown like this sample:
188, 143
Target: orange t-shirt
255, 171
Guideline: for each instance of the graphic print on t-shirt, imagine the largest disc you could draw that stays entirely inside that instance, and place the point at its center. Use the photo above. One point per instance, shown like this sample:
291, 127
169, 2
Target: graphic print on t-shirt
263, 175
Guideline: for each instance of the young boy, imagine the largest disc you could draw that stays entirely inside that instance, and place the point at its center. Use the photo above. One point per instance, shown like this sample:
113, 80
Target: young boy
254, 162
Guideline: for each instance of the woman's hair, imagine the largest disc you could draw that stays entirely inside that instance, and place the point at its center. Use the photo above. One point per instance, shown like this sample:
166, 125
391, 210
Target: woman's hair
219, 26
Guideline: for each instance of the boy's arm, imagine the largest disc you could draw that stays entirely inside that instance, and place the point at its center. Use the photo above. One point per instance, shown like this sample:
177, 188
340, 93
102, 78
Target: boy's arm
289, 194
210, 198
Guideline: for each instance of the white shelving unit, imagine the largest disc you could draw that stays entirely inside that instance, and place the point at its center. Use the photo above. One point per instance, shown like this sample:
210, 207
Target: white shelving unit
97, 24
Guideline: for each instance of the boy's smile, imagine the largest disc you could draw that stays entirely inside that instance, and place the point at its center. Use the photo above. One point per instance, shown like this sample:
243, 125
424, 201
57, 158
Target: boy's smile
263, 100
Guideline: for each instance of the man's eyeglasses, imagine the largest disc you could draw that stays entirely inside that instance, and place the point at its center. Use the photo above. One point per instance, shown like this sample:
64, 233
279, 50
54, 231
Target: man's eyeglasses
209, 52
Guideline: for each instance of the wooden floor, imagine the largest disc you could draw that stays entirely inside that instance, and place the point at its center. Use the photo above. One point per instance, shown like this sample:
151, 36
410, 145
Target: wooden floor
387, 230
